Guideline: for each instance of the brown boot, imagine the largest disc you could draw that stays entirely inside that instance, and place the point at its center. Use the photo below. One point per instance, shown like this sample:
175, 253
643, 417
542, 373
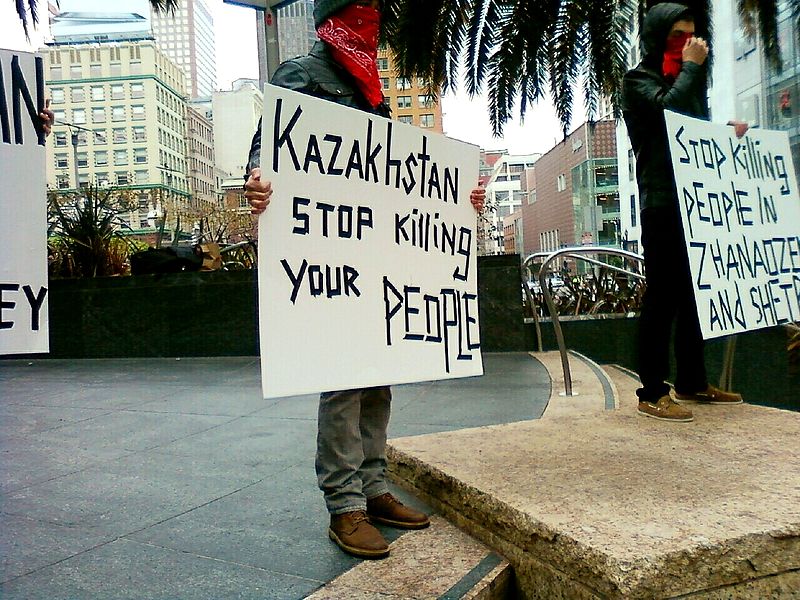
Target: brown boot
388, 510
354, 534
711, 395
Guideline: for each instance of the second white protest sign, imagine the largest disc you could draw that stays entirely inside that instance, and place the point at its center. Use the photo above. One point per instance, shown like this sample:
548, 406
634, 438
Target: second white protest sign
367, 266
741, 218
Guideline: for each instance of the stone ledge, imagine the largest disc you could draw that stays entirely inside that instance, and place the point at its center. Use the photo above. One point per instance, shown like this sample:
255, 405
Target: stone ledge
614, 505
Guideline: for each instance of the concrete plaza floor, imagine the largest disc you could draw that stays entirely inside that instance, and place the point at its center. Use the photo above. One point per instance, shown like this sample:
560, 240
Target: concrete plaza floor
165, 478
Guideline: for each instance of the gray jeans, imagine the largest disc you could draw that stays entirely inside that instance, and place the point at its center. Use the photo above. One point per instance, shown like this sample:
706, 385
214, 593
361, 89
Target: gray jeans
351, 447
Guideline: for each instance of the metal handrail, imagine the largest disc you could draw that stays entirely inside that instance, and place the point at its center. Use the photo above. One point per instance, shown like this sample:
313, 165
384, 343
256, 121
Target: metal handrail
577, 253
726, 377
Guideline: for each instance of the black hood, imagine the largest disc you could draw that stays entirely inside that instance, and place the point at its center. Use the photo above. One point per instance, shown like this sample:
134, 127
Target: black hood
656, 27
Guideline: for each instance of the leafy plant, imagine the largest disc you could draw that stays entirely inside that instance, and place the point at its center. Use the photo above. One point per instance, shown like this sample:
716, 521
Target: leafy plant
86, 232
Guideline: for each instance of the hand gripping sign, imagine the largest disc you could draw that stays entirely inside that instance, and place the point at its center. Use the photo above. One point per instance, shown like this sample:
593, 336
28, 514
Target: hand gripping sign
367, 266
23, 206
741, 218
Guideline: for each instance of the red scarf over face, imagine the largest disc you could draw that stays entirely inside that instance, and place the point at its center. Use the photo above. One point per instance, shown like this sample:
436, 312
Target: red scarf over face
352, 34
673, 56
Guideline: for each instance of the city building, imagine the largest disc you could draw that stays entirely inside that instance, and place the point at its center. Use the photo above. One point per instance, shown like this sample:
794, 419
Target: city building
503, 194
296, 32
409, 99
570, 196
187, 37
125, 104
200, 160
235, 117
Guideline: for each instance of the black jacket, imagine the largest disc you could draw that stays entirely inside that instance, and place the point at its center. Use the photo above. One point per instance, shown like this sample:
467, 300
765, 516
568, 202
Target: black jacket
645, 95
316, 74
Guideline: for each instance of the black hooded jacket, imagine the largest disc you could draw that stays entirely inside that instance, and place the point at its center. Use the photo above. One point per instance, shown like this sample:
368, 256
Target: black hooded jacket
645, 95
316, 74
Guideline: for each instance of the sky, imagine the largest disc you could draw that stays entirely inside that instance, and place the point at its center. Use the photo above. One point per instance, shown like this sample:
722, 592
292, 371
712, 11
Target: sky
464, 118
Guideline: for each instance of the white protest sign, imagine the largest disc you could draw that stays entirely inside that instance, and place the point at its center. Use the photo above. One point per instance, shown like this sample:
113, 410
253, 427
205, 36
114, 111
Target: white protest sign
23, 206
741, 218
367, 267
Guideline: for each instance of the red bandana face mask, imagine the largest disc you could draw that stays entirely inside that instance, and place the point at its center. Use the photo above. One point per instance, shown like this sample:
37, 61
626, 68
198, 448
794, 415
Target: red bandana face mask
673, 56
352, 34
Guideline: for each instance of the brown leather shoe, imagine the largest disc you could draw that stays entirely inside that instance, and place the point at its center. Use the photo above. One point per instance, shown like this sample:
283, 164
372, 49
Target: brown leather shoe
354, 534
666, 410
388, 510
711, 395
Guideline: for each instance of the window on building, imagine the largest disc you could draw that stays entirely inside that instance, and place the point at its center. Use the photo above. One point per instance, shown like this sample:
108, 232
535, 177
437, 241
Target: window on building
83, 159
95, 71
117, 113
61, 161
100, 137
60, 139
62, 181
634, 212
75, 72
137, 110
426, 121
404, 102
631, 165
403, 83
425, 100
99, 114
122, 178
532, 197
98, 93
83, 180
136, 67
137, 90
100, 158
83, 138
120, 135
383, 64
57, 95
141, 177
102, 179
60, 115
561, 182
55, 73
120, 157
78, 94
116, 69
140, 155
406, 119
79, 116
385, 83
117, 91
139, 134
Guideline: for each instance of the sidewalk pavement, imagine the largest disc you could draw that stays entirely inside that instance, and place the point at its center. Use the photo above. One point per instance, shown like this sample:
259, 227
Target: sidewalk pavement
173, 478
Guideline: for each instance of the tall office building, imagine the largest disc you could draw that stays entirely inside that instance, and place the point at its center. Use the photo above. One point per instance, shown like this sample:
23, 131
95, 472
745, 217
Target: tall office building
296, 32
126, 104
408, 98
187, 37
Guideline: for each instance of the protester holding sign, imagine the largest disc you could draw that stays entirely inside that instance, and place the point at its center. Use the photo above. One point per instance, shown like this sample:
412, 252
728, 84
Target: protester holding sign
672, 75
352, 424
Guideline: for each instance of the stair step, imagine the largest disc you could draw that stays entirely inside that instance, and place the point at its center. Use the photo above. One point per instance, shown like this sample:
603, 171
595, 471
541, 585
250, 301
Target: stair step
437, 563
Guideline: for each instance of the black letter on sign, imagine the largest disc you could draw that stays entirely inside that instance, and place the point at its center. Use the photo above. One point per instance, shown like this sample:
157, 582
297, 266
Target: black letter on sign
279, 139
20, 87
390, 311
302, 218
7, 287
36, 304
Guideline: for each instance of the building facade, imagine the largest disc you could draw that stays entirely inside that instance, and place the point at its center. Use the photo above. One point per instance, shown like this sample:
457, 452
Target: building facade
409, 99
296, 32
200, 159
235, 118
187, 37
571, 197
504, 194
125, 103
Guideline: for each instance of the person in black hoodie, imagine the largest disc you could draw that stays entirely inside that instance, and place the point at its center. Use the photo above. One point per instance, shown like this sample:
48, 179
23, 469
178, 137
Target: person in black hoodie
671, 75
351, 438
